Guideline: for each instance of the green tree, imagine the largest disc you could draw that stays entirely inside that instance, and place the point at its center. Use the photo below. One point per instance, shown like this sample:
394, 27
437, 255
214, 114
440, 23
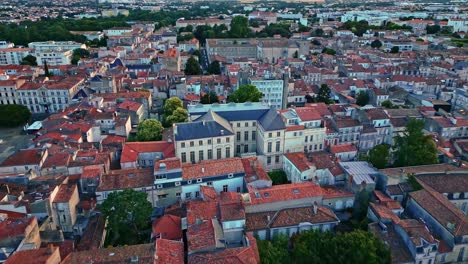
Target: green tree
179, 115
324, 94
278, 177
274, 251
413, 147
379, 156
387, 104
296, 54
239, 27
192, 67
376, 44
128, 212
362, 98
171, 104
78, 54
432, 29
395, 49
319, 32
361, 204
209, 98
214, 68
46, 69
149, 130
329, 51
14, 115
29, 60
245, 93
358, 246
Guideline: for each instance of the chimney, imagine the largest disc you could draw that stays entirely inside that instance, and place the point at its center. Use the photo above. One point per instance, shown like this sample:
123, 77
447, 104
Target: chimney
203, 170
222, 132
268, 218
203, 122
315, 208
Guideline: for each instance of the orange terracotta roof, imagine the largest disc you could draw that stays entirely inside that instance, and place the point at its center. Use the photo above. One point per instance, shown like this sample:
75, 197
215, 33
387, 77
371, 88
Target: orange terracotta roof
169, 251
209, 168
131, 150
65, 193
168, 227
284, 192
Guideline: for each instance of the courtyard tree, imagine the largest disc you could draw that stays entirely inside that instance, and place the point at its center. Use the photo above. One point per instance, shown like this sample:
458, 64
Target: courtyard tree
149, 130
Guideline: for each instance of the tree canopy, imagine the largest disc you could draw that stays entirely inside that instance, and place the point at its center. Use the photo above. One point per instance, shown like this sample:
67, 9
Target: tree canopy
174, 112
177, 116
245, 93
78, 54
214, 68
376, 44
128, 212
171, 105
395, 49
192, 67
323, 95
149, 130
379, 156
29, 60
314, 246
14, 115
239, 27
413, 147
329, 51
362, 98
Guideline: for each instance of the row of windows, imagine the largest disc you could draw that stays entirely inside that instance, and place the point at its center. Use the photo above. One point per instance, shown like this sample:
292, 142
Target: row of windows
246, 135
200, 142
201, 155
270, 146
246, 124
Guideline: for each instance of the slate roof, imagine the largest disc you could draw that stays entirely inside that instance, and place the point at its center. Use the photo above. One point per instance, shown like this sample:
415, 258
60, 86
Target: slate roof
196, 130
271, 121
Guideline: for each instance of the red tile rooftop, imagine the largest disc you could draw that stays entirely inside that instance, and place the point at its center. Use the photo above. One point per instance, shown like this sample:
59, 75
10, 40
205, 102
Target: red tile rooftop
92, 171
201, 236
299, 160
65, 193
24, 157
331, 192
131, 150
145, 253
198, 210
308, 113
169, 252
209, 168
442, 210
284, 192
13, 227
342, 148
34, 256
168, 227
130, 105
295, 128
127, 178
238, 255
289, 217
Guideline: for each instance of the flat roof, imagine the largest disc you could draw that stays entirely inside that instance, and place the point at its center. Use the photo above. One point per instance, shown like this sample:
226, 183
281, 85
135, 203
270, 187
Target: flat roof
35, 126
